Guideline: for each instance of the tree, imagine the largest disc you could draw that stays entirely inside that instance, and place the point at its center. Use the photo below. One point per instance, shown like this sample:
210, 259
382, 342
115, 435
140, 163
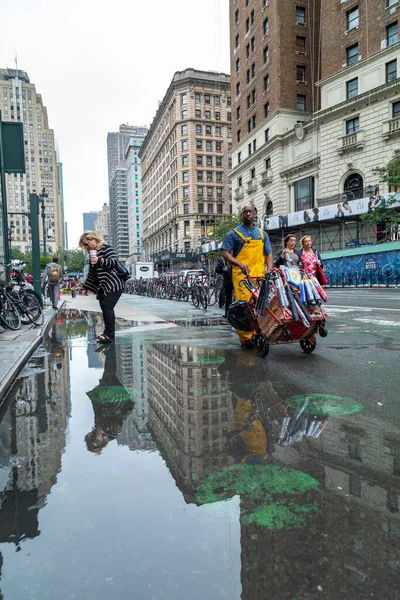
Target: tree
387, 217
74, 260
223, 227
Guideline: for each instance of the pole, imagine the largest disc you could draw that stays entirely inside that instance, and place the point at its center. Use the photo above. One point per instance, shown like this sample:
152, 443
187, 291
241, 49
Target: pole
4, 204
43, 215
34, 202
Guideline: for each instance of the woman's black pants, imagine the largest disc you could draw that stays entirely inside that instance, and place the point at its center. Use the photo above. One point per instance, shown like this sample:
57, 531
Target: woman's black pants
107, 304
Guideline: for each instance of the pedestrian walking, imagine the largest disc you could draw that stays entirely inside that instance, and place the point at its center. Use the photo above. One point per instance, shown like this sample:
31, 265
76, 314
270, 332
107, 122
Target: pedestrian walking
249, 251
51, 278
103, 280
224, 268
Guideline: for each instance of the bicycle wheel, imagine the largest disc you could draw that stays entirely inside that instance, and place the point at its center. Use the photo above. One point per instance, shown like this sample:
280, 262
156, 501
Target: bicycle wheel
194, 297
9, 315
212, 296
203, 299
32, 311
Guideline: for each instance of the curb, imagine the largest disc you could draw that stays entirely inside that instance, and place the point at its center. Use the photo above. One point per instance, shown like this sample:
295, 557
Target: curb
9, 378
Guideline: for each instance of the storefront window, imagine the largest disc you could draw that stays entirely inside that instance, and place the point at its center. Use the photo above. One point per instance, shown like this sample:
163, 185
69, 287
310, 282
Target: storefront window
304, 194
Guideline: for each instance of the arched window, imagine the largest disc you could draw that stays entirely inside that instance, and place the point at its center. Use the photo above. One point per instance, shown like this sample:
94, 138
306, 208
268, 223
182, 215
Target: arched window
269, 208
353, 186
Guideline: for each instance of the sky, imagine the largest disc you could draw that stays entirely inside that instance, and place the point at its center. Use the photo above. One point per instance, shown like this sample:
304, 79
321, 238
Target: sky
98, 65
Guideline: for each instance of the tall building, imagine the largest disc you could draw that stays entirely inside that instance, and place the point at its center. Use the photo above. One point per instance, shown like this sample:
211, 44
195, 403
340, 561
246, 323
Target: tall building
185, 166
134, 194
117, 145
119, 233
101, 224
60, 190
89, 219
315, 112
19, 101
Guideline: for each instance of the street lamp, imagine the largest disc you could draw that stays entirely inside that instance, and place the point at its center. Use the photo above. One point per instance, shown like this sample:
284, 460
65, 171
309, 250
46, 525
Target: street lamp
41, 198
10, 232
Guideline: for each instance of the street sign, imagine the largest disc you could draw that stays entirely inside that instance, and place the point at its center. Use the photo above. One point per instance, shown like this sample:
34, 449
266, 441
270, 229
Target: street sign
13, 147
370, 264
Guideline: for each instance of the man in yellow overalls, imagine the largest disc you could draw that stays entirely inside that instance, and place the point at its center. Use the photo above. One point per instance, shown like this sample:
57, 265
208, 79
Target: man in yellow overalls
249, 250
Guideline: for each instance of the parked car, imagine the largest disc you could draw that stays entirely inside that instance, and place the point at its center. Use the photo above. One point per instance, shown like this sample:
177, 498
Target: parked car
190, 275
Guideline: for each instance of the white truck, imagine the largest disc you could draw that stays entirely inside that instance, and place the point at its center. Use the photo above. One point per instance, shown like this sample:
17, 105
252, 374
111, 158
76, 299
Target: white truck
142, 270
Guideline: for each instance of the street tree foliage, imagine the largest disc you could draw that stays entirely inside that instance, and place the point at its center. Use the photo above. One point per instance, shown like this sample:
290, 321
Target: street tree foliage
387, 216
223, 227
74, 260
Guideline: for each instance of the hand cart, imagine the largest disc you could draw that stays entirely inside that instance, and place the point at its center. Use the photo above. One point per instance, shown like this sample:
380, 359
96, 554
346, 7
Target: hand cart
280, 311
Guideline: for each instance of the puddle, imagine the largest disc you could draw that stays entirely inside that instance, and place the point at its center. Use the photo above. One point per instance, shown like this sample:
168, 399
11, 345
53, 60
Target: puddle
176, 465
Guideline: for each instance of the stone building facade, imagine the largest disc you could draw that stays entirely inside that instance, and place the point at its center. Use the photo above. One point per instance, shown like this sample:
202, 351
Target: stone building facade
20, 102
185, 163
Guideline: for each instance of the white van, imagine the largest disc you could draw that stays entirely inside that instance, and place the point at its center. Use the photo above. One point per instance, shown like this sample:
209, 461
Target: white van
190, 275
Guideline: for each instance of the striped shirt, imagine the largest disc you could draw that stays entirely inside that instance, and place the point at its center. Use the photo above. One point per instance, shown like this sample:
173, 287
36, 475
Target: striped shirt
102, 277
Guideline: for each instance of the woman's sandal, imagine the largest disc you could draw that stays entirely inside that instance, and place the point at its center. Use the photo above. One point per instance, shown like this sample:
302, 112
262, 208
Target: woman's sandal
103, 339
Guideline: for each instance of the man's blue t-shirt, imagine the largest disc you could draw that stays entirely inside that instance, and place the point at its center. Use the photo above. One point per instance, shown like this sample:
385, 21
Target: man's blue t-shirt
234, 243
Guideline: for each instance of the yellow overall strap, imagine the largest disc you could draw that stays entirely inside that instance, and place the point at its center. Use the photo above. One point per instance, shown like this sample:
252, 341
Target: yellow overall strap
248, 240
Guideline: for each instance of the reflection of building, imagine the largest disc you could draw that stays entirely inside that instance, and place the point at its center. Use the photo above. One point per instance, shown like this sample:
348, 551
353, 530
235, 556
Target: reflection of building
134, 195
19, 101
131, 371
190, 411
185, 163
37, 420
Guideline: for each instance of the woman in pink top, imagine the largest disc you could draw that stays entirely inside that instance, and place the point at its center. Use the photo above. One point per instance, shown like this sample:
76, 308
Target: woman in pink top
309, 256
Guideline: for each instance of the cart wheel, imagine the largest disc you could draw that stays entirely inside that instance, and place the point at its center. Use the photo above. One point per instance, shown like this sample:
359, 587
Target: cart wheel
322, 331
261, 344
308, 346
286, 335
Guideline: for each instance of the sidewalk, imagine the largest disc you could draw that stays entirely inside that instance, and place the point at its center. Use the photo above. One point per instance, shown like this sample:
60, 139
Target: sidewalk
140, 319
16, 347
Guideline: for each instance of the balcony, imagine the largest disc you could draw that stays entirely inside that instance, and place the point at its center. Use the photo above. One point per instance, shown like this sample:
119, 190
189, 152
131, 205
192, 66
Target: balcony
266, 177
351, 141
239, 193
251, 186
390, 128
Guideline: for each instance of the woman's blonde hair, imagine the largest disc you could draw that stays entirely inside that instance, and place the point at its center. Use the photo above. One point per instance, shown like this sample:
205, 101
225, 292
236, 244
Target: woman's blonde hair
304, 238
90, 235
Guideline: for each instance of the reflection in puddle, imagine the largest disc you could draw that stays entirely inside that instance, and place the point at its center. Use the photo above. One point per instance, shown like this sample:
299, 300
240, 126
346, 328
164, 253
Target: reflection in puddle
310, 481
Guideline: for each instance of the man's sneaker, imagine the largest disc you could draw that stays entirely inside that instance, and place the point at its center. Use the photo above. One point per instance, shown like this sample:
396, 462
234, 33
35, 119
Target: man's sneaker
247, 345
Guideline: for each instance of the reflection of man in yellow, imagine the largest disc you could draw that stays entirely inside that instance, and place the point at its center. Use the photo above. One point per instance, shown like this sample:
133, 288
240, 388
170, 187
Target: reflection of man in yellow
248, 249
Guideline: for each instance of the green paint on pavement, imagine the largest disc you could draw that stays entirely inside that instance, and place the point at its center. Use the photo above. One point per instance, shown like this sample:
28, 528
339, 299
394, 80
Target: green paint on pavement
325, 404
272, 496
112, 394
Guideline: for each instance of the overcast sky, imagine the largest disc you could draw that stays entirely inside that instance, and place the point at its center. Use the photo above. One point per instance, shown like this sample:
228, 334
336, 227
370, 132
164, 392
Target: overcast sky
99, 65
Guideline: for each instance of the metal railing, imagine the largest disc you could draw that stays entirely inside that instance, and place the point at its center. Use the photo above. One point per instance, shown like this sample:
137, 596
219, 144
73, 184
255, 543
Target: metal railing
376, 278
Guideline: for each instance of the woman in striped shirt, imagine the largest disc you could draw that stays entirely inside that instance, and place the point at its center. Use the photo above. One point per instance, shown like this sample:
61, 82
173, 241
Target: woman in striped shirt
103, 280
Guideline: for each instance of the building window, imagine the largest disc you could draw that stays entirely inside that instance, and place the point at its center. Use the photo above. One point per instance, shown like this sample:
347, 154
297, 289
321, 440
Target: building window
218, 148
236, 16
209, 161
247, 50
183, 99
248, 76
301, 73
208, 130
198, 113
249, 126
353, 186
199, 145
300, 15
209, 145
185, 176
352, 18
265, 26
253, 44
217, 116
209, 175
304, 194
210, 208
218, 176
266, 110
237, 89
184, 114
253, 70
218, 130
197, 98
184, 145
301, 102
199, 175
184, 130
186, 209
238, 113
391, 34
267, 163
237, 41
266, 54
200, 207
266, 83
210, 192
396, 109
352, 88
239, 135
252, 174
300, 43
200, 190
237, 65
207, 114
199, 128
249, 149
391, 71
266, 135
239, 158
207, 99
186, 228
219, 208
352, 54
254, 145
353, 125
186, 192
